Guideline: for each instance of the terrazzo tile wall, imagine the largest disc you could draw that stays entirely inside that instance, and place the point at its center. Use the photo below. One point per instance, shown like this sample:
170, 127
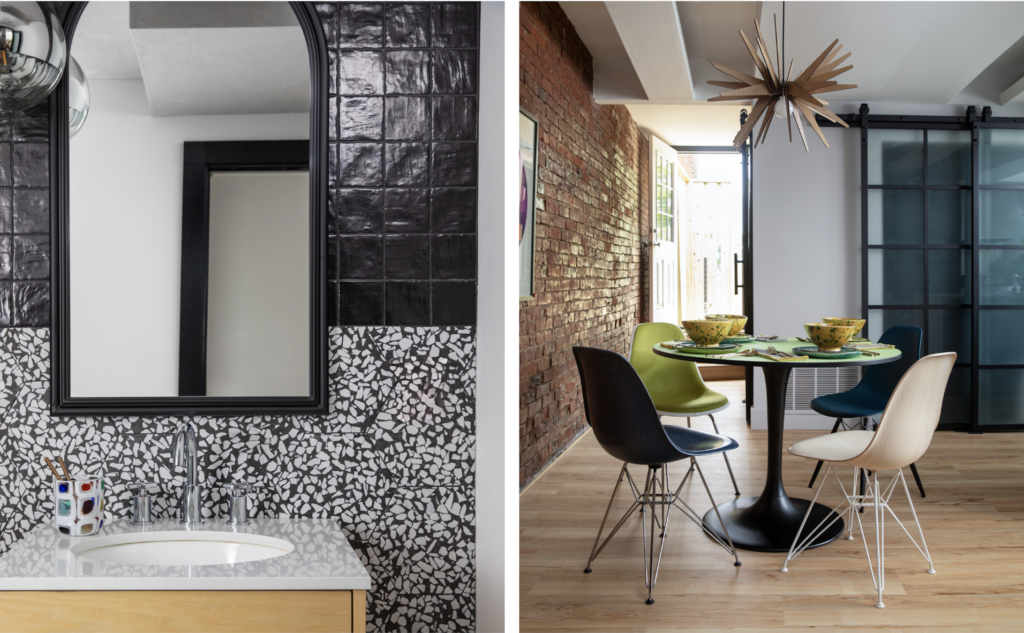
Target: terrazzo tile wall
394, 460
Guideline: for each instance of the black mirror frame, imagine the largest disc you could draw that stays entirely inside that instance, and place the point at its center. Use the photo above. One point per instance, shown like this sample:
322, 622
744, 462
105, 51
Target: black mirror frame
61, 402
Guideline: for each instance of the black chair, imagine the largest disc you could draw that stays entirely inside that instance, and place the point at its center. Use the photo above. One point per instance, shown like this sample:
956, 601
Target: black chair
627, 426
871, 395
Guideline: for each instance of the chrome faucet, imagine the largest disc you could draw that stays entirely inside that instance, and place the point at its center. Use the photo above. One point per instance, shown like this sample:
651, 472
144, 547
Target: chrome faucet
186, 453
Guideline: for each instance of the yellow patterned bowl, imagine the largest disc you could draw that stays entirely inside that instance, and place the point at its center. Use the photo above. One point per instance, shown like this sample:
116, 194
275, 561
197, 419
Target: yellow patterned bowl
830, 338
706, 332
738, 321
858, 323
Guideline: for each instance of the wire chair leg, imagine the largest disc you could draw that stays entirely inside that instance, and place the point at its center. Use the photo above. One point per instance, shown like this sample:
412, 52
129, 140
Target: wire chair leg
879, 539
817, 468
917, 478
726, 456
920, 530
795, 549
732, 548
854, 507
593, 552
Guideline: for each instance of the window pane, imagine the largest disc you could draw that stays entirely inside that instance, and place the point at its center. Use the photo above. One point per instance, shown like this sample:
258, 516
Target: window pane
949, 276
949, 157
895, 216
949, 330
1002, 217
999, 276
999, 339
1001, 396
956, 405
895, 276
949, 217
896, 157
1001, 157
881, 320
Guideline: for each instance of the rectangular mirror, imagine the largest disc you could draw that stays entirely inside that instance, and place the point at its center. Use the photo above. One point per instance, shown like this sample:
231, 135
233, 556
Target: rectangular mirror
189, 209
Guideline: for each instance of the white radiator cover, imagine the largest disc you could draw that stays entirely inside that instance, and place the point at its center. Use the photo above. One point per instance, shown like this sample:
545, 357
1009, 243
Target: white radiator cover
804, 386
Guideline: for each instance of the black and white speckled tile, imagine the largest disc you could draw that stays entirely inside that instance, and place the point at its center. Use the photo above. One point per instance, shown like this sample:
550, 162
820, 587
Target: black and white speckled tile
393, 461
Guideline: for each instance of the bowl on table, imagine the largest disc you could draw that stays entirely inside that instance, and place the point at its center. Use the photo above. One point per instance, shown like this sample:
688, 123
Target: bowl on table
828, 337
708, 332
738, 321
857, 323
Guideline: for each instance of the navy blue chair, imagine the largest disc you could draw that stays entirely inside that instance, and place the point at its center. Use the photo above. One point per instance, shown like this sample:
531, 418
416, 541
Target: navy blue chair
872, 393
627, 426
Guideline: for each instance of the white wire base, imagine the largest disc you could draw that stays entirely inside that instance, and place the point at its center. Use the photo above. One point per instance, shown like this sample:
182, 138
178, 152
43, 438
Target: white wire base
874, 498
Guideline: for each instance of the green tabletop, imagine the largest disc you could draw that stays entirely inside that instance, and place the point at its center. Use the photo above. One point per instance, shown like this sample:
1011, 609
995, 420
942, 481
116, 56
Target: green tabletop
783, 345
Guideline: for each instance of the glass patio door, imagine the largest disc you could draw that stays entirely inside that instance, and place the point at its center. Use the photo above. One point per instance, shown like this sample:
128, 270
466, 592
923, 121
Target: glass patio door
665, 232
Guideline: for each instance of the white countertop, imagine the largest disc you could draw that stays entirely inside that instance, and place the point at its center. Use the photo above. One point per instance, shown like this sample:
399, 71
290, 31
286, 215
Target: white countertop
322, 560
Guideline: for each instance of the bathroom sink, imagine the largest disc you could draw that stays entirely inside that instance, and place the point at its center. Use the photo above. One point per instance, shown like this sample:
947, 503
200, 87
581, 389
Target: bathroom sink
180, 548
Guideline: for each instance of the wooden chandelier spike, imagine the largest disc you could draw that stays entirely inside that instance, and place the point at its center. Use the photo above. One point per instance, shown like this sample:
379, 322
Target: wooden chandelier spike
770, 89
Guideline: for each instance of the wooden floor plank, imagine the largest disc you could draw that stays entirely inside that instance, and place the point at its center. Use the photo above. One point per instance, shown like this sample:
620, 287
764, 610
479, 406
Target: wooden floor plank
972, 518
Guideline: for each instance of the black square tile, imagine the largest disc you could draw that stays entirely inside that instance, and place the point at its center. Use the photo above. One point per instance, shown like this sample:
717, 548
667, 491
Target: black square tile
6, 126
407, 210
360, 73
454, 72
406, 119
6, 301
31, 305
361, 303
31, 165
328, 12
332, 118
6, 210
360, 165
406, 25
455, 118
453, 210
360, 25
356, 211
360, 118
333, 166
408, 72
332, 304
454, 24
453, 303
332, 75
360, 257
31, 211
31, 256
453, 164
6, 179
332, 257
6, 265
406, 257
407, 303
453, 256
32, 125
406, 165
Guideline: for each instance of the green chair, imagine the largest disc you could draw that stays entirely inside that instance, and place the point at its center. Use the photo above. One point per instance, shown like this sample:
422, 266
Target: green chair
675, 386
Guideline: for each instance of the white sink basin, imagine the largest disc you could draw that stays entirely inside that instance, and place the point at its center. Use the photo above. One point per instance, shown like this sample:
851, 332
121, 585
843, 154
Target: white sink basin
179, 548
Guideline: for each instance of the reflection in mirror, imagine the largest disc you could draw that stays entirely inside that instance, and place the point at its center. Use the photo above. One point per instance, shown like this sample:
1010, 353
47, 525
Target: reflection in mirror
163, 77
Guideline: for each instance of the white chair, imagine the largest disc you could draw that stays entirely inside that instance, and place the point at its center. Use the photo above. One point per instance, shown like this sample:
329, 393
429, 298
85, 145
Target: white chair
902, 437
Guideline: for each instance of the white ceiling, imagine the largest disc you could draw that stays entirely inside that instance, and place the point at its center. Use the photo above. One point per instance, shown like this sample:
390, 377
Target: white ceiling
203, 58
932, 56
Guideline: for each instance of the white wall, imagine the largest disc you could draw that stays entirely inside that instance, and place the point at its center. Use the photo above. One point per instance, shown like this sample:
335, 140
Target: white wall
497, 331
806, 240
125, 235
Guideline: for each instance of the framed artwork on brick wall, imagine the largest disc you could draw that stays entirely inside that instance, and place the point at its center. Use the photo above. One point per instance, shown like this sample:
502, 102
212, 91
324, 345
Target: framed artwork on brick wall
526, 209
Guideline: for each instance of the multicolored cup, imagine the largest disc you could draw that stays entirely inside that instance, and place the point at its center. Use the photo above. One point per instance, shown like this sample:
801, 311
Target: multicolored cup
78, 505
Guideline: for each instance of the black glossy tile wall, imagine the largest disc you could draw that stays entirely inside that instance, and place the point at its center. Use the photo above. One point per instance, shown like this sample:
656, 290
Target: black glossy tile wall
24, 218
404, 106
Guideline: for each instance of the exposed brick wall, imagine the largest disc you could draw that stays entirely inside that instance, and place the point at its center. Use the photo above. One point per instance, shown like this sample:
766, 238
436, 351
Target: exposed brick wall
592, 214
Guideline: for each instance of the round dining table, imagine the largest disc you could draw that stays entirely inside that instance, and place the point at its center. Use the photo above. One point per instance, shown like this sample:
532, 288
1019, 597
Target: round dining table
769, 522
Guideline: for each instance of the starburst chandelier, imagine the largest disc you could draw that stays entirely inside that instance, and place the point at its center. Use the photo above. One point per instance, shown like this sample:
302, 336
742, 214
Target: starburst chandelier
789, 97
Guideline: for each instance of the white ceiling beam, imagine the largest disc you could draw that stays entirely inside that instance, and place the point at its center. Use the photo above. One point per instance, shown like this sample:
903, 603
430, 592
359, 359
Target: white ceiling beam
653, 39
1013, 93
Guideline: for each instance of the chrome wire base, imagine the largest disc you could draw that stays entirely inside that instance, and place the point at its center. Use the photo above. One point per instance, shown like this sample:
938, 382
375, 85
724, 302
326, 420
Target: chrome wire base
656, 501
874, 497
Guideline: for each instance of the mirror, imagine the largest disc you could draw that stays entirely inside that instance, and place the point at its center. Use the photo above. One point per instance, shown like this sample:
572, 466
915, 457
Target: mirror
189, 230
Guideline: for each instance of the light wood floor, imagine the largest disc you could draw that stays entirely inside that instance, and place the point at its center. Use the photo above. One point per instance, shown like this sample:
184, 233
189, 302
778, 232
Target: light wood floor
973, 519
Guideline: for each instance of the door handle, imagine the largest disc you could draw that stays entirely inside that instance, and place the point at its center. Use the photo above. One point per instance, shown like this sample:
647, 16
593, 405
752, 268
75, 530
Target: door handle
736, 261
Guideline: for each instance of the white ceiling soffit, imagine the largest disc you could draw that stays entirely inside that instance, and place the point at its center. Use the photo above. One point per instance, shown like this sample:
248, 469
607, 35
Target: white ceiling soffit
615, 81
102, 44
711, 32
904, 52
695, 124
653, 38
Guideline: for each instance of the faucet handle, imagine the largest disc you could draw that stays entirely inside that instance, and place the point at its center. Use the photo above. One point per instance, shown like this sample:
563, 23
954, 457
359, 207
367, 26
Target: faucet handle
142, 503
238, 504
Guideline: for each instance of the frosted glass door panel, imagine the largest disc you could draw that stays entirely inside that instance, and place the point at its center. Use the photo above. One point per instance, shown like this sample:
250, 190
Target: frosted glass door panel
896, 157
895, 216
895, 276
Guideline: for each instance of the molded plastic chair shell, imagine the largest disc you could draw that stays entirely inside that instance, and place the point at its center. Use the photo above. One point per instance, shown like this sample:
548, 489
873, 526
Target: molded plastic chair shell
625, 420
676, 386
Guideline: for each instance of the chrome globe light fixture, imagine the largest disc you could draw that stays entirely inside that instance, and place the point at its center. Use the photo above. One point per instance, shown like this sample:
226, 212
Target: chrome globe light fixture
78, 96
33, 54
